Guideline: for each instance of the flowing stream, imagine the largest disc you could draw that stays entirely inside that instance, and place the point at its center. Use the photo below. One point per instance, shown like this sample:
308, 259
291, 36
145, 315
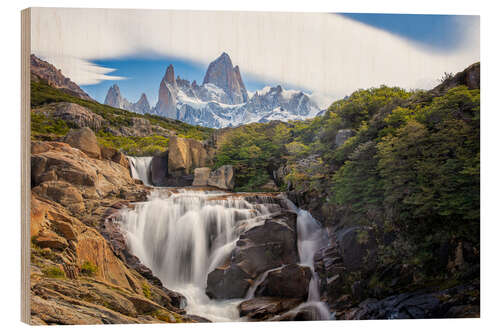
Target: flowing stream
183, 234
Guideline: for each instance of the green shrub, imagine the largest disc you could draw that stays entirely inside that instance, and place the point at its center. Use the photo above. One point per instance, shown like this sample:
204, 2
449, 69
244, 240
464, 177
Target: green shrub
88, 269
54, 272
146, 290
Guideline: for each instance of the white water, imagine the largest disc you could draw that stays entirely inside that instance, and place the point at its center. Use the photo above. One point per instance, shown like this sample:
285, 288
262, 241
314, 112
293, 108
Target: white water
310, 238
183, 236
140, 168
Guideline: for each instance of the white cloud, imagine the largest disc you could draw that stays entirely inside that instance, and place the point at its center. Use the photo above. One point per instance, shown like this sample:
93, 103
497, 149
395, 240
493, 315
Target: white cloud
327, 54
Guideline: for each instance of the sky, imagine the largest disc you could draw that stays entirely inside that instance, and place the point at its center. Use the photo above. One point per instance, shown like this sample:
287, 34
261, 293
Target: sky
327, 55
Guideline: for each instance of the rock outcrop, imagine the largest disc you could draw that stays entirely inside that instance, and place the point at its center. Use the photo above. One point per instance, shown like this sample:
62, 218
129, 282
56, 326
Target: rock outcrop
201, 176
264, 308
45, 72
259, 249
159, 169
289, 281
74, 114
222, 178
85, 140
470, 77
184, 155
77, 275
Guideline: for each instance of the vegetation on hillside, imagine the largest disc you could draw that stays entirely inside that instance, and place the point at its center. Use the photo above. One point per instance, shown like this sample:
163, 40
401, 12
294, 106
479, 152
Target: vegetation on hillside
411, 168
43, 127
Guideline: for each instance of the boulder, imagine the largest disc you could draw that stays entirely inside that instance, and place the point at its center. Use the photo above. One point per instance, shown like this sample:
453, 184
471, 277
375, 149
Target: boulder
229, 281
222, 178
289, 281
342, 136
201, 176
262, 308
159, 169
185, 155
259, 249
85, 140
61, 192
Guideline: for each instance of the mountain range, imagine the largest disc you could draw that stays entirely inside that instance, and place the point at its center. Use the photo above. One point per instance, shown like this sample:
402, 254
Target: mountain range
222, 99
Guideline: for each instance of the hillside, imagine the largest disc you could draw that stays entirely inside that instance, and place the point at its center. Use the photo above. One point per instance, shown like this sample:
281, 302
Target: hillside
55, 112
394, 176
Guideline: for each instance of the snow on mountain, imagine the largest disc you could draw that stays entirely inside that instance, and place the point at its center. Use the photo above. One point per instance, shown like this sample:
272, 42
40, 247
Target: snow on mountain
222, 100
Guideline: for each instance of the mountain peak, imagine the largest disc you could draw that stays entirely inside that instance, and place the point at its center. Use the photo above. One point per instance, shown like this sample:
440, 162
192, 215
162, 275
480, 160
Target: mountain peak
169, 76
115, 99
221, 73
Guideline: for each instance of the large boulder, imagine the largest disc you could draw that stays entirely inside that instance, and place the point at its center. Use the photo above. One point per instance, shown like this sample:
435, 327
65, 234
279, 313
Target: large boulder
261, 248
201, 176
222, 178
289, 281
85, 140
159, 169
185, 155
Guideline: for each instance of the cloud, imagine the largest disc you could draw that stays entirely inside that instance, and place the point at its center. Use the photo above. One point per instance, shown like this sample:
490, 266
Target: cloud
323, 53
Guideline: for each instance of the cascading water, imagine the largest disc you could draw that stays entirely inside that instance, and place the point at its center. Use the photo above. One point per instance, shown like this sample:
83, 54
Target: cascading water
140, 168
183, 236
311, 238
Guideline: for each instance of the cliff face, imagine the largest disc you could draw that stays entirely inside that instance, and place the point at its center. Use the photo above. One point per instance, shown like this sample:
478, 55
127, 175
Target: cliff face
42, 70
167, 95
221, 73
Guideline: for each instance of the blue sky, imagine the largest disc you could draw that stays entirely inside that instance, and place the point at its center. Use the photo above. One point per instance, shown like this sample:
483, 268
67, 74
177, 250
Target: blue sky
432, 38
439, 32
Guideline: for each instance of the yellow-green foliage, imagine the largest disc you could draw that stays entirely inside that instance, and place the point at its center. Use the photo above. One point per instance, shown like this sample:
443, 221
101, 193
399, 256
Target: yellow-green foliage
40, 124
53, 272
88, 269
146, 290
132, 145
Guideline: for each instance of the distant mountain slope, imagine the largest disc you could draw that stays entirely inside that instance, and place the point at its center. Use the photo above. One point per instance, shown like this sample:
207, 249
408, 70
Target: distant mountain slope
222, 100
44, 71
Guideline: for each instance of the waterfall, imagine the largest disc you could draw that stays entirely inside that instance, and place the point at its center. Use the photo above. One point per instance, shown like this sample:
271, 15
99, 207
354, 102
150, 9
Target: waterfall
182, 236
310, 238
140, 168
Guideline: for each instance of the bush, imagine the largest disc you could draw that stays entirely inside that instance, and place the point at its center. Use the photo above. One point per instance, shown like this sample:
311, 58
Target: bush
146, 290
54, 272
88, 269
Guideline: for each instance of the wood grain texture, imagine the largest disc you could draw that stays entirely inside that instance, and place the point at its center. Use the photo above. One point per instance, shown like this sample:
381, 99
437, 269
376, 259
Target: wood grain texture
25, 164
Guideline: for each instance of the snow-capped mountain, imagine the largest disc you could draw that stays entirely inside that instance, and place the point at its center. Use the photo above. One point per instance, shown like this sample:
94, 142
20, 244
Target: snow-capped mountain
222, 100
